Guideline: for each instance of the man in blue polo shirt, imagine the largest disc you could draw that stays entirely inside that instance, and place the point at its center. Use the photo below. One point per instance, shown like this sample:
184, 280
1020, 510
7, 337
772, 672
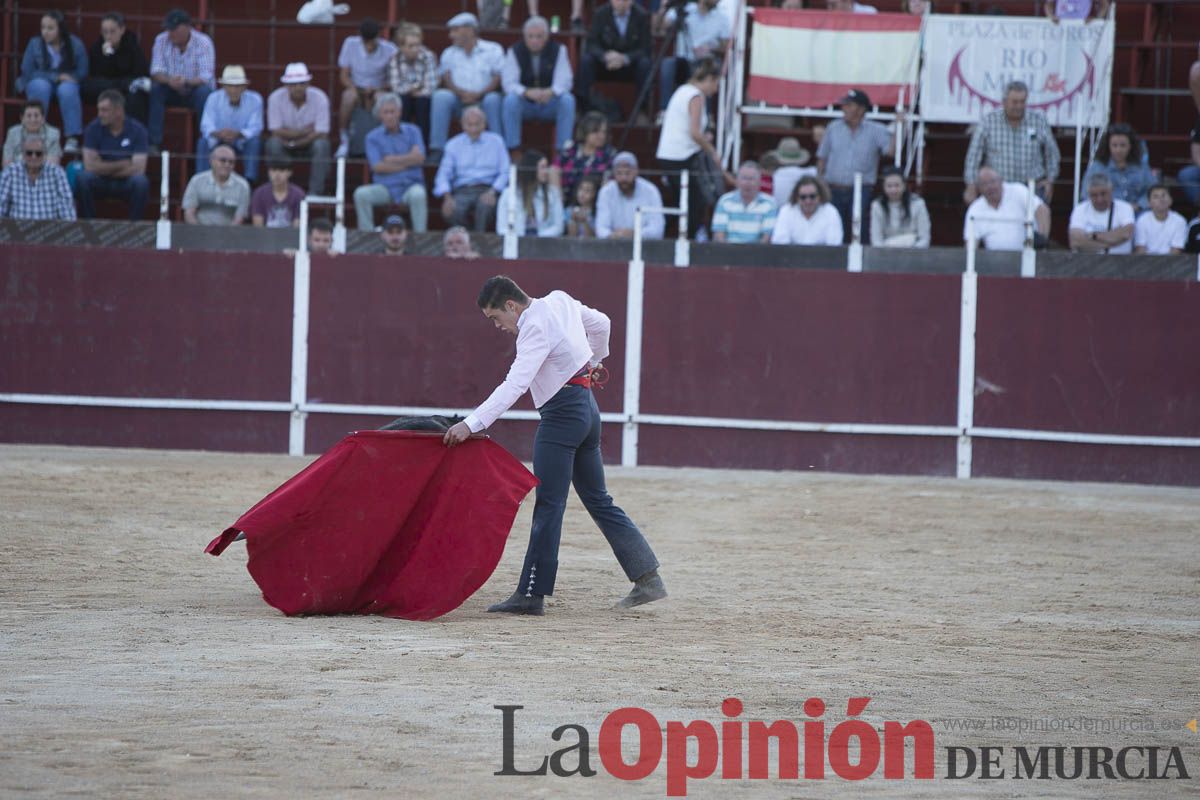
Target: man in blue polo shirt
396, 152
114, 158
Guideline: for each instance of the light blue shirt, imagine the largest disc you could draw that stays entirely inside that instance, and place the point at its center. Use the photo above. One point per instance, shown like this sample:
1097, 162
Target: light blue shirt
246, 116
467, 163
381, 143
614, 210
475, 71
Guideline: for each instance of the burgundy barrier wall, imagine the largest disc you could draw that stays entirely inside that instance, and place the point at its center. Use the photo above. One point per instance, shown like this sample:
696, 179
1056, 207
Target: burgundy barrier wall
1077, 355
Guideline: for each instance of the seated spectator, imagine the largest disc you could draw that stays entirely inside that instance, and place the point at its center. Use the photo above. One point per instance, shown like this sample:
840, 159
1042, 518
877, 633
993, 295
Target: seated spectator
469, 71
899, 218
114, 158
1193, 236
1087, 10
809, 217
183, 64
537, 81
31, 188
217, 196
617, 48
116, 61
413, 76
456, 243
319, 241
363, 70
744, 215
684, 145
999, 210
393, 235
298, 123
581, 217
851, 6
704, 33
1102, 224
622, 196
786, 163
589, 154
396, 153
1160, 231
233, 115
576, 14
1119, 157
473, 173
536, 202
33, 123
53, 66
276, 204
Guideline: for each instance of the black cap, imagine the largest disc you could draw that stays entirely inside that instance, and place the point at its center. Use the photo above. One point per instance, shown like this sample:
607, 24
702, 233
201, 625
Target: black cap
856, 96
394, 221
368, 29
175, 18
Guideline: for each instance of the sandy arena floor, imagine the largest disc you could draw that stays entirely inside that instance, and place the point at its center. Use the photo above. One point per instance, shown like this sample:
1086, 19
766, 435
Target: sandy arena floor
133, 665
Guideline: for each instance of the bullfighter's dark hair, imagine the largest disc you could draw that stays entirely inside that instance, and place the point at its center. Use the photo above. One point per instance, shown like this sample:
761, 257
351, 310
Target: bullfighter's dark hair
499, 290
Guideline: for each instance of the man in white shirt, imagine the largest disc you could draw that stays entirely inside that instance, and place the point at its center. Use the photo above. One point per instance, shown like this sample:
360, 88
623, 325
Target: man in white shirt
622, 196
999, 210
809, 218
1160, 231
560, 344
1101, 224
468, 74
537, 82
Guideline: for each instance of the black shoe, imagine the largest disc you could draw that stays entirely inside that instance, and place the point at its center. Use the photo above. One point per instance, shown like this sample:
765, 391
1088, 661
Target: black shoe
530, 604
646, 589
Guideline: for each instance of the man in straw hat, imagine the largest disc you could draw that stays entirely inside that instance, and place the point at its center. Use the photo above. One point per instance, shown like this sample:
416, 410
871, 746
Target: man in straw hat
786, 165
298, 122
233, 115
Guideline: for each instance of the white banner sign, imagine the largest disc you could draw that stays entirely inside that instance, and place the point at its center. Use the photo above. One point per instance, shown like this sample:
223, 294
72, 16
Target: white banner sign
967, 62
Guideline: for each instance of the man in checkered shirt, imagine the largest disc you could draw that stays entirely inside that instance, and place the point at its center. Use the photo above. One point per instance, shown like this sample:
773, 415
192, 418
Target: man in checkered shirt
1016, 142
182, 66
30, 188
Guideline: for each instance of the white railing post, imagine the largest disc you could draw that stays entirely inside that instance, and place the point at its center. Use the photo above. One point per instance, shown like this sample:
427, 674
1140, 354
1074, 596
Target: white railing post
510, 227
683, 252
966, 357
634, 306
162, 231
300, 294
854, 253
1028, 254
302, 247
339, 225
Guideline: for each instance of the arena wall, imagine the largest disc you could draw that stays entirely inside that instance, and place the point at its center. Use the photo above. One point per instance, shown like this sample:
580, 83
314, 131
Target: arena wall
1077, 355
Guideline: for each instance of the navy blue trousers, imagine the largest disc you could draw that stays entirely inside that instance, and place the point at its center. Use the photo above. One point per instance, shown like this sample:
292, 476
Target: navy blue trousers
566, 451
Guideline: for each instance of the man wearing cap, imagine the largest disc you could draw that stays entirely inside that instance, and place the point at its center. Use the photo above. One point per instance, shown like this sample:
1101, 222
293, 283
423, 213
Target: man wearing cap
473, 173
617, 48
537, 82
396, 153
622, 196
183, 63
853, 144
745, 215
394, 235
298, 123
363, 70
469, 71
233, 115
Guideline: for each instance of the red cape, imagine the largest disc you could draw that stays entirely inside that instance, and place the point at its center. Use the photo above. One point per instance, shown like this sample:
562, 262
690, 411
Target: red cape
386, 522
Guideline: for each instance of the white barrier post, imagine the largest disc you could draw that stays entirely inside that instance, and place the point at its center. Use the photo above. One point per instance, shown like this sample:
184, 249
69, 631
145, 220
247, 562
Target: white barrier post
635, 296
162, 231
339, 225
683, 252
301, 273
854, 253
966, 357
1028, 254
303, 246
510, 228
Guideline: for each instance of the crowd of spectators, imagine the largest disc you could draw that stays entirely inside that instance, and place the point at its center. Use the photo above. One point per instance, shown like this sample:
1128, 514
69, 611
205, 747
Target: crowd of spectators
398, 100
